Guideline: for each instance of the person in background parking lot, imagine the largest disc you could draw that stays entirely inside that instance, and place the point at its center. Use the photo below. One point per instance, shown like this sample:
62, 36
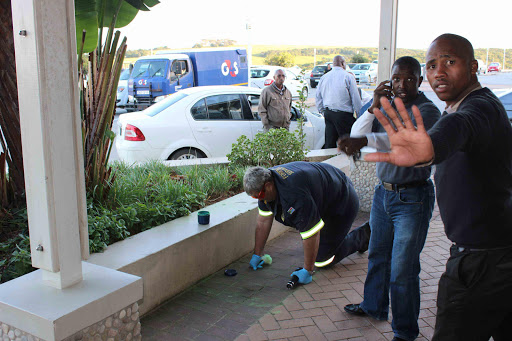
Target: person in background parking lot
275, 104
337, 98
472, 147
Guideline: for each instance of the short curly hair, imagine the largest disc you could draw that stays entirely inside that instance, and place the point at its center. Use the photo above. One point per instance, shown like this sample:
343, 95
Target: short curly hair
255, 178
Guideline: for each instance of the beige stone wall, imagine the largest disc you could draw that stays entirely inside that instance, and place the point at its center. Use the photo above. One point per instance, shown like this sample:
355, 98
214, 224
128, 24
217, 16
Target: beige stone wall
121, 326
364, 177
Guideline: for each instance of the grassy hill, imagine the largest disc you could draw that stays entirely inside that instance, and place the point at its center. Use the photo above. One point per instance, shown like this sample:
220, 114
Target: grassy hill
303, 55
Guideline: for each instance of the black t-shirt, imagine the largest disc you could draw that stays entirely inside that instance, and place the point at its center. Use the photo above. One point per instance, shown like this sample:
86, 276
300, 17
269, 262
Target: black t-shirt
307, 191
473, 153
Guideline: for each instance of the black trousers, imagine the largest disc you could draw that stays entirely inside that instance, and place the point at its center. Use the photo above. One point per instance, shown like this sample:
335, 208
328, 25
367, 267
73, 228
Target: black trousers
335, 239
337, 124
474, 301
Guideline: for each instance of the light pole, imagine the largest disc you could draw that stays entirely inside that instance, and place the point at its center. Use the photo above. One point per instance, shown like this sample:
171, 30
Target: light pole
249, 51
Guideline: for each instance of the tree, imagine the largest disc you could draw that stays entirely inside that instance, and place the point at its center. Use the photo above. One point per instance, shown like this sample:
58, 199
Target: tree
284, 59
90, 15
358, 59
98, 97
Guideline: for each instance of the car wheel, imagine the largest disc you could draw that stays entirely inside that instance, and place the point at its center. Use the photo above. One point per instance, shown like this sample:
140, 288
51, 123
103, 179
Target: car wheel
305, 92
313, 84
186, 154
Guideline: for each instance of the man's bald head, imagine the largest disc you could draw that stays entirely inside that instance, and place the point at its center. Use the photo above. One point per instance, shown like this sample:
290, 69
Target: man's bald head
338, 61
463, 46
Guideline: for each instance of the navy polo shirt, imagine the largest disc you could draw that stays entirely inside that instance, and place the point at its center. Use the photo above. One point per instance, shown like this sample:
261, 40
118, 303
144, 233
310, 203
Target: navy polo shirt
307, 191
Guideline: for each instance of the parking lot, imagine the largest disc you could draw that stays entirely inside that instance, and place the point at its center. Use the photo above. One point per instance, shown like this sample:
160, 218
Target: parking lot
494, 81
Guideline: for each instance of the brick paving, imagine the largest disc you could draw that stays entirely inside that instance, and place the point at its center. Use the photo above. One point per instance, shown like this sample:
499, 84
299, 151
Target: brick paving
255, 305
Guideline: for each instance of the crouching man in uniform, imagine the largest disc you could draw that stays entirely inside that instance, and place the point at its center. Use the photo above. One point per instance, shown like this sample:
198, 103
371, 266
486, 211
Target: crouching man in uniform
315, 198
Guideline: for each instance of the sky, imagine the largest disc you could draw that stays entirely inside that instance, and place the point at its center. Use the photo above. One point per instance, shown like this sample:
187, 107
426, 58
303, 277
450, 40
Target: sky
181, 24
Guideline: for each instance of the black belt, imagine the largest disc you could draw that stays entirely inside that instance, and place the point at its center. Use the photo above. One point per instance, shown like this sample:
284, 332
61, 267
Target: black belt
398, 187
463, 248
335, 110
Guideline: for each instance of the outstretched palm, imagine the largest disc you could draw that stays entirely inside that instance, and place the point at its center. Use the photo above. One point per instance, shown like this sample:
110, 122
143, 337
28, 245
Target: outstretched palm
409, 145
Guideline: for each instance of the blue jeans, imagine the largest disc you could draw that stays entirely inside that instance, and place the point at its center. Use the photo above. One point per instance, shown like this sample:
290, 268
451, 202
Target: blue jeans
399, 223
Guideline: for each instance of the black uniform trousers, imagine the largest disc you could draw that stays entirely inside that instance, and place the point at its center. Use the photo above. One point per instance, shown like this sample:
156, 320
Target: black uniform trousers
335, 239
474, 300
337, 124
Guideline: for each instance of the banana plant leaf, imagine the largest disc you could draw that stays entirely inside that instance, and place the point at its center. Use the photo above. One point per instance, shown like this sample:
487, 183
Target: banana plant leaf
92, 15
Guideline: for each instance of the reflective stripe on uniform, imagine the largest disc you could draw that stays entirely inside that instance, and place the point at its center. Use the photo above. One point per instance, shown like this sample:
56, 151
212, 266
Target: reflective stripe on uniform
327, 262
265, 213
313, 230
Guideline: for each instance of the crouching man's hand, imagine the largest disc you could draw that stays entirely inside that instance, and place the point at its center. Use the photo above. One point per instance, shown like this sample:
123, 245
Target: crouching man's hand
256, 262
303, 275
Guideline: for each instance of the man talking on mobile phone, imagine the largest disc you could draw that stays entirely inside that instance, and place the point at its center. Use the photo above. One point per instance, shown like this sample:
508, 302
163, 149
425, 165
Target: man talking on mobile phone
401, 210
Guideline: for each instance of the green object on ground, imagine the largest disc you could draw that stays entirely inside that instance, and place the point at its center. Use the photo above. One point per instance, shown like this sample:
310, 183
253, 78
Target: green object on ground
267, 259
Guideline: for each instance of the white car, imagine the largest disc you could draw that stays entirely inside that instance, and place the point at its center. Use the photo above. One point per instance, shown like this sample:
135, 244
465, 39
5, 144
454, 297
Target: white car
263, 75
122, 99
365, 72
200, 122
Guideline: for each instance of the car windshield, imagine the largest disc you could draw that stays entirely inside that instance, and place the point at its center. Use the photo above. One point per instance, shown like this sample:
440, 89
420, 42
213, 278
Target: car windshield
125, 74
149, 68
259, 73
361, 67
157, 108
320, 68
494, 64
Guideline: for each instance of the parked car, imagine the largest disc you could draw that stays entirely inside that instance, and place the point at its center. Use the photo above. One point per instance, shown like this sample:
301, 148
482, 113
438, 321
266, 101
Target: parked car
494, 67
201, 122
317, 72
506, 98
320, 70
122, 99
365, 72
482, 68
263, 75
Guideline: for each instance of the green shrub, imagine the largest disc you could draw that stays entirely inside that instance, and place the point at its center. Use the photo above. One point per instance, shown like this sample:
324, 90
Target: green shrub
142, 197
275, 147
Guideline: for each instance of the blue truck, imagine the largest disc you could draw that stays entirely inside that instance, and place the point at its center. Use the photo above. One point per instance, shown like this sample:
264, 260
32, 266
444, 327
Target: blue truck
155, 77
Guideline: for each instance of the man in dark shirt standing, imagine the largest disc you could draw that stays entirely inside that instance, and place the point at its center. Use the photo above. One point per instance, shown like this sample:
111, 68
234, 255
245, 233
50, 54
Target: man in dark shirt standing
315, 198
401, 210
472, 147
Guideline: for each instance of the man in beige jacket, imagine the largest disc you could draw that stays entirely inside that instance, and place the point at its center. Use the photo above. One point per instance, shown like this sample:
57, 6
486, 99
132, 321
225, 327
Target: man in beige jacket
275, 104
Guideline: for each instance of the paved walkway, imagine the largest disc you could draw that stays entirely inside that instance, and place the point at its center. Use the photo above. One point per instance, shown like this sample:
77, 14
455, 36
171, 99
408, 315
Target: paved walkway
255, 305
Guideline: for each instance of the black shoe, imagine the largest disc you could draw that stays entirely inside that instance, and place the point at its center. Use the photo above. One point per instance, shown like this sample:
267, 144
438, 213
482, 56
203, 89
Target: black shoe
398, 339
367, 232
355, 309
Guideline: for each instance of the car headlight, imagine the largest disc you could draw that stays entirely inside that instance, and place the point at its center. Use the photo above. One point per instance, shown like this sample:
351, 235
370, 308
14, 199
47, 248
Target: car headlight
159, 98
131, 98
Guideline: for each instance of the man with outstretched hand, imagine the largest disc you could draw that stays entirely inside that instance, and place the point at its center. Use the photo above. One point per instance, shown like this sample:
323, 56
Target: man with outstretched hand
315, 198
472, 147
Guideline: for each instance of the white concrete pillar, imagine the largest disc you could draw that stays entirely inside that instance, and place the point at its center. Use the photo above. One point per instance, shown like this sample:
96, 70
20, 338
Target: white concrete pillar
387, 37
46, 65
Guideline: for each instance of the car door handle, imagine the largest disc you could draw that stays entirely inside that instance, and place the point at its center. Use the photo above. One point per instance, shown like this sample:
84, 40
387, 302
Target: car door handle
204, 130
260, 130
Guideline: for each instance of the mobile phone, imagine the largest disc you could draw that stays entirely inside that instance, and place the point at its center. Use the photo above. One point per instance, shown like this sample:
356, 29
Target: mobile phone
391, 94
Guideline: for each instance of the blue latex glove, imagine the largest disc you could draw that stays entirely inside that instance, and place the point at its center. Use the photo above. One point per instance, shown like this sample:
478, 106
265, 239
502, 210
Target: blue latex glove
303, 275
256, 262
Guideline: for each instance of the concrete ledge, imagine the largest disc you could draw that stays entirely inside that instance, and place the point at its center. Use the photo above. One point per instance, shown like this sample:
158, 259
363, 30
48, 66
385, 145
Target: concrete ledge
316, 155
30, 305
175, 255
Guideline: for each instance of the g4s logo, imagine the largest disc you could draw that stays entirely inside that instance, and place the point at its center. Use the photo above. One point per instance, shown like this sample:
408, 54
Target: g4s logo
227, 69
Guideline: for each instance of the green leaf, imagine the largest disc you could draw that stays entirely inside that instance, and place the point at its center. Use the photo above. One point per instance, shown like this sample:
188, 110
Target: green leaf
87, 18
